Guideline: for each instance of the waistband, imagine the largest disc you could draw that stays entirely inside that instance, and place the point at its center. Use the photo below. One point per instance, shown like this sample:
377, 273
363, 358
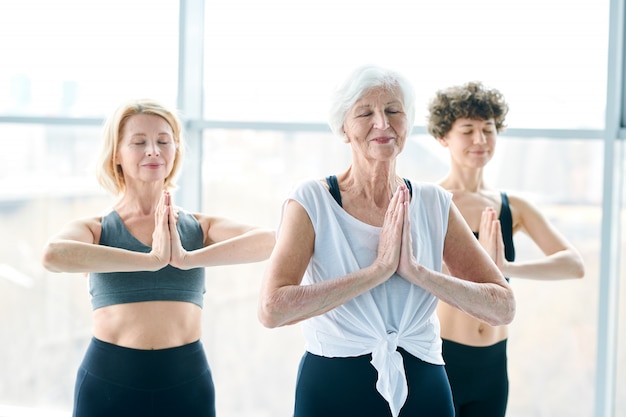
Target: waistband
473, 354
145, 369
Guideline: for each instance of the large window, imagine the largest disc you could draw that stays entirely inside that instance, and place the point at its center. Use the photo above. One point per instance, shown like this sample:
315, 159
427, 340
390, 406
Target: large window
552, 341
268, 70
77, 58
278, 60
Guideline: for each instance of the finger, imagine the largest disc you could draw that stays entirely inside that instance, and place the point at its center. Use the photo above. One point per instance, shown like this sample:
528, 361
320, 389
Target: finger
499, 242
406, 225
393, 203
173, 220
486, 220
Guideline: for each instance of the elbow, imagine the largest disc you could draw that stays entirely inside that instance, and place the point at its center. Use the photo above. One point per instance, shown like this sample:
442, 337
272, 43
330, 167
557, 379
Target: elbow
506, 313
579, 269
274, 311
266, 320
510, 308
50, 258
268, 315
510, 312
574, 266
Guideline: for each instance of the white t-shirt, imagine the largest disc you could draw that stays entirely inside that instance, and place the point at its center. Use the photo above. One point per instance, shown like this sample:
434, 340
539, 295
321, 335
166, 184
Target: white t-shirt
395, 313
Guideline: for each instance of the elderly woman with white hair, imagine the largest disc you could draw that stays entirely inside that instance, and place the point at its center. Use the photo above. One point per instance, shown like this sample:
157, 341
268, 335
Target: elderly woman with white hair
358, 263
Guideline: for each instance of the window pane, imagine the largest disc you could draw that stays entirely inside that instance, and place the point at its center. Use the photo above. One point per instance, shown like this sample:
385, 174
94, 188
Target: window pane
46, 180
247, 176
552, 343
620, 387
277, 60
77, 58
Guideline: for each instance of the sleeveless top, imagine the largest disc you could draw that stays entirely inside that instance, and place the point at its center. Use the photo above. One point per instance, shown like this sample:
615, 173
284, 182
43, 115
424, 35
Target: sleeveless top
395, 313
506, 225
333, 187
166, 284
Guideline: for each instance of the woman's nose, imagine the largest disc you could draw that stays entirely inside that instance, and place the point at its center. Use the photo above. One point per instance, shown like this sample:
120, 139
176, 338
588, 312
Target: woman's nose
480, 137
380, 121
152, 149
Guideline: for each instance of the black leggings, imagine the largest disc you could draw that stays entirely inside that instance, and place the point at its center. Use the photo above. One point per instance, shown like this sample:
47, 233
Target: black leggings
346, 387
478, 377
118, 381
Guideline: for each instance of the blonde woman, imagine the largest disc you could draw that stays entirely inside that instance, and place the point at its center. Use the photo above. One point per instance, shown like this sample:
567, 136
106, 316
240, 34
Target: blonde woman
146, 261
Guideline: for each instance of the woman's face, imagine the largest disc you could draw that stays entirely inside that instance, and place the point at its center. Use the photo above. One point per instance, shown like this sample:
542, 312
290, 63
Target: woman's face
471, 142
376, 126
146, 150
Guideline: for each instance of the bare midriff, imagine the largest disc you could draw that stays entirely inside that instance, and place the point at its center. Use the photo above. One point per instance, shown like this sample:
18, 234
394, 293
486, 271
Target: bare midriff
460, 327
148, 325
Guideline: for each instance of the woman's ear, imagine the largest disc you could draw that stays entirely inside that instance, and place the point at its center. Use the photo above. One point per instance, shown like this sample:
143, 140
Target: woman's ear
345, 136
443, 142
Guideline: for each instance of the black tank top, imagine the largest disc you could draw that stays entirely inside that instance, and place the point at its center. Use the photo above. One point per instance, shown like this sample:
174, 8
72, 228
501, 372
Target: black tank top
333, 187
506, 225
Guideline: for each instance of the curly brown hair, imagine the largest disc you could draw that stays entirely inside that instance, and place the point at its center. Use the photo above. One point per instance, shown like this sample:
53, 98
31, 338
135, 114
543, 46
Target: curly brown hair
472, 101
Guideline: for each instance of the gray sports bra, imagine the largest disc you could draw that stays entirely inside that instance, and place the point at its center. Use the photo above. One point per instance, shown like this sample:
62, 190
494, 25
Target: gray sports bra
166, 284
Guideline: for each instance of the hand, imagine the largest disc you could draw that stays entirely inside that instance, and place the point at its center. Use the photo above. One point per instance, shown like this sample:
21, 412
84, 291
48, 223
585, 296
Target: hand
490, 236
390, 241
161, 241
178, 254
407, 256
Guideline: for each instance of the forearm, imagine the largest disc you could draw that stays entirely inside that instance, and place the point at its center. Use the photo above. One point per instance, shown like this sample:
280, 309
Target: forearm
291, 304
566, 264
491, 302
253, 246
73, 256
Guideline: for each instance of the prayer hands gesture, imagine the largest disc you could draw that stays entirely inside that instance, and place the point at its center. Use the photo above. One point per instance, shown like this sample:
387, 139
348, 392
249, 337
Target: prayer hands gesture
490, 237
395, 244
167, 247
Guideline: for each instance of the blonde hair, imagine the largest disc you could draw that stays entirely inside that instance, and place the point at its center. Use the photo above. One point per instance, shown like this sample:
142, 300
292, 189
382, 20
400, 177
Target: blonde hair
108, 172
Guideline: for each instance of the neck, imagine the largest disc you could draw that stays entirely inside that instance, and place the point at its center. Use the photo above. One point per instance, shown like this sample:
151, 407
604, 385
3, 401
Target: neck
468, 180
140, 199
377, 185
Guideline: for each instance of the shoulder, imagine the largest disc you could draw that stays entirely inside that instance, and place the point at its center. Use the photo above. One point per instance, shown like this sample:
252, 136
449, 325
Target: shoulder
523, 209
428, 186
311, 188
90, 222
520, 203
86, 229
430, 190
311, 184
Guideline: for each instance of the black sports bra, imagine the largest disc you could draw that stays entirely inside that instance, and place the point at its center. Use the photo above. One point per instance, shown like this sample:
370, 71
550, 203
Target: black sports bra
506, 225
333, 187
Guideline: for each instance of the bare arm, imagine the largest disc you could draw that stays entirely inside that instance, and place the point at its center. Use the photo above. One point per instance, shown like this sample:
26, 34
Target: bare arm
75, 249
561, 260
475, 285
284, 301
226, 243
